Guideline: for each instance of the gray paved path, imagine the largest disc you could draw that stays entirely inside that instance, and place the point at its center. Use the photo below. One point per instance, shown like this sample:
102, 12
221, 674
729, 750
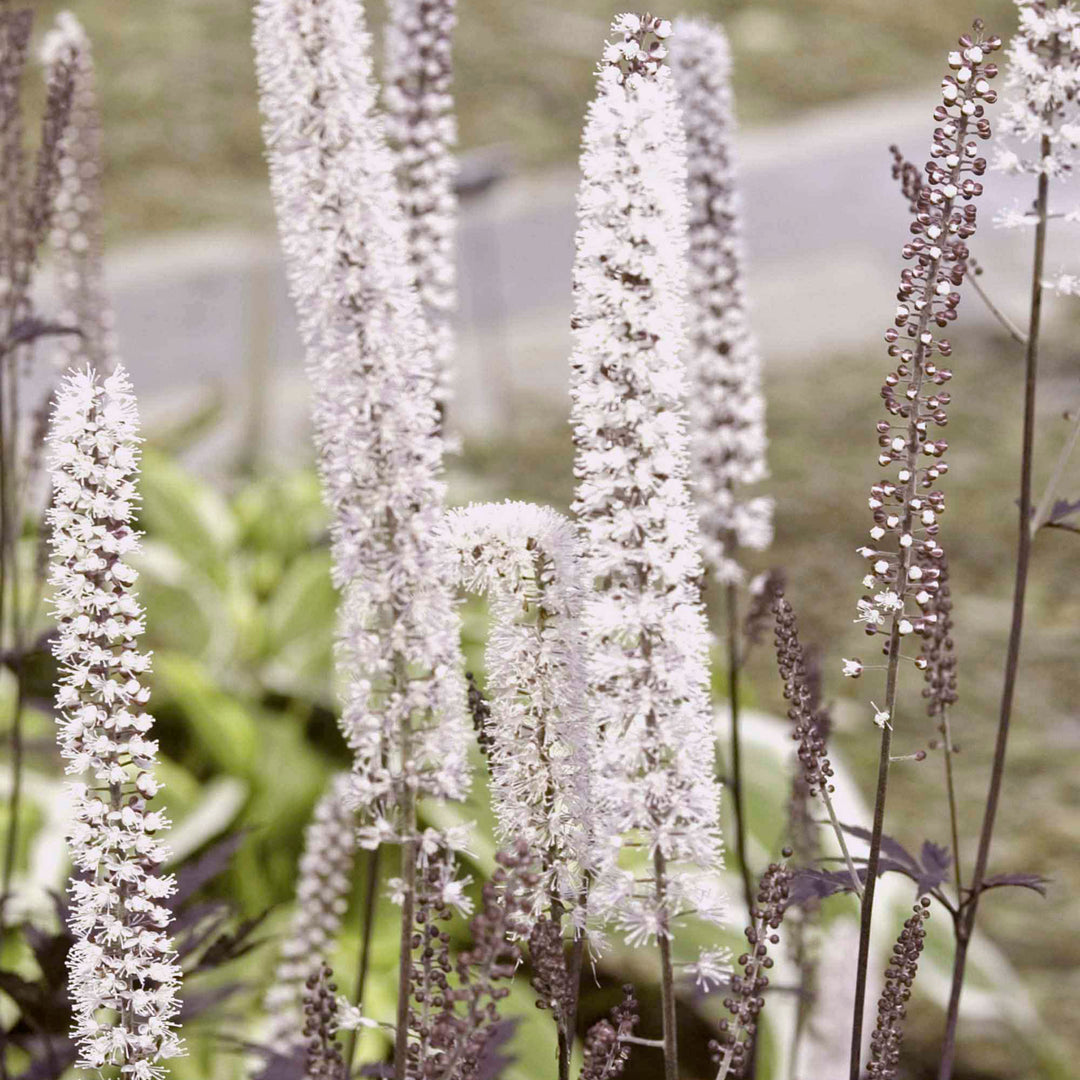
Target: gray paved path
824, 223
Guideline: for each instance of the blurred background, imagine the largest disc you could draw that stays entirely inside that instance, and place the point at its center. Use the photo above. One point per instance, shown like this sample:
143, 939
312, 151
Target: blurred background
240, 607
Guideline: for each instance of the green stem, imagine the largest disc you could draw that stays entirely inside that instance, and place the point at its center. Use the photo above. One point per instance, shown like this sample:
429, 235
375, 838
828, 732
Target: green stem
736, 778
667, 978
843, 842
950, 787
1042, 512
363, 963
407, 808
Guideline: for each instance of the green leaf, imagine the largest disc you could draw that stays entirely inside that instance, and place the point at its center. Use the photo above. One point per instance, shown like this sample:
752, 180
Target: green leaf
222, 725
300, 618
181, 511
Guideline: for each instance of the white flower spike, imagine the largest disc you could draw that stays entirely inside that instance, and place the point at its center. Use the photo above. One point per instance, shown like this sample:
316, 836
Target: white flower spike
124, 974
726, 403
647, 643
376, 424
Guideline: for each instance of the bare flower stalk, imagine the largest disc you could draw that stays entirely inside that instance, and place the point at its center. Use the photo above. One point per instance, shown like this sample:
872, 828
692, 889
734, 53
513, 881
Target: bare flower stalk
726, 405
124, 973
908, 508
422, 132
376, 425
1043, 81
644, 623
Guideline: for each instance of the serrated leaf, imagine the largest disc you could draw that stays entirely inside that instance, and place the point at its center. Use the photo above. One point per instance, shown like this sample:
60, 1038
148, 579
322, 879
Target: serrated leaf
1035, 882
891, 847
197, 872
936, 861
1063, 509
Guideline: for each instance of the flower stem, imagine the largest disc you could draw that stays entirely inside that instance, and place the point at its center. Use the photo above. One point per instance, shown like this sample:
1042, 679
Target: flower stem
364, 960
667, 978
736, 778
408, 878
966, 924
867, 908
843, 843
920, 355
950, 787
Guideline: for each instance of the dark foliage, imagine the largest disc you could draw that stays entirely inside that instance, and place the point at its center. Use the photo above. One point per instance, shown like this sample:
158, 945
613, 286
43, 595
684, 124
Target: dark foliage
205, 939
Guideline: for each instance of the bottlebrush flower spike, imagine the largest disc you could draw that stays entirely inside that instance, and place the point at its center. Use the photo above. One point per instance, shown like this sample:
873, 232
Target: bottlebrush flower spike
903, 581
644, 624
375, 421
1042, 83
525, 558
1042, 88
422, 131
322, 898
727, 407
124, 974
78, 224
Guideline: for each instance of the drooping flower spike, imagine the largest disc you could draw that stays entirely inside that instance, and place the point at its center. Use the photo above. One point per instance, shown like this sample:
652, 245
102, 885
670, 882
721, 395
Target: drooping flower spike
525, 558
644, 624
376, 425
124, 974
726, 403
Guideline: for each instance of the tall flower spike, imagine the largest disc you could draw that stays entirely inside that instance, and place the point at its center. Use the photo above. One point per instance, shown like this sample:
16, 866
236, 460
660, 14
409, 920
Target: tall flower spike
727, 407
124, 974
78, 225
322, 898
645, 628
1042, 88
422, 130
525, 558
904, 556
376, 428
903, 581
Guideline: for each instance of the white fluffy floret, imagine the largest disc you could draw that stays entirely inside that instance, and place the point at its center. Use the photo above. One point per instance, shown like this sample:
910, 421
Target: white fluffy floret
1042, 89
422, 132
525, 558
645, 626
124, 973
726, 404
375, 420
